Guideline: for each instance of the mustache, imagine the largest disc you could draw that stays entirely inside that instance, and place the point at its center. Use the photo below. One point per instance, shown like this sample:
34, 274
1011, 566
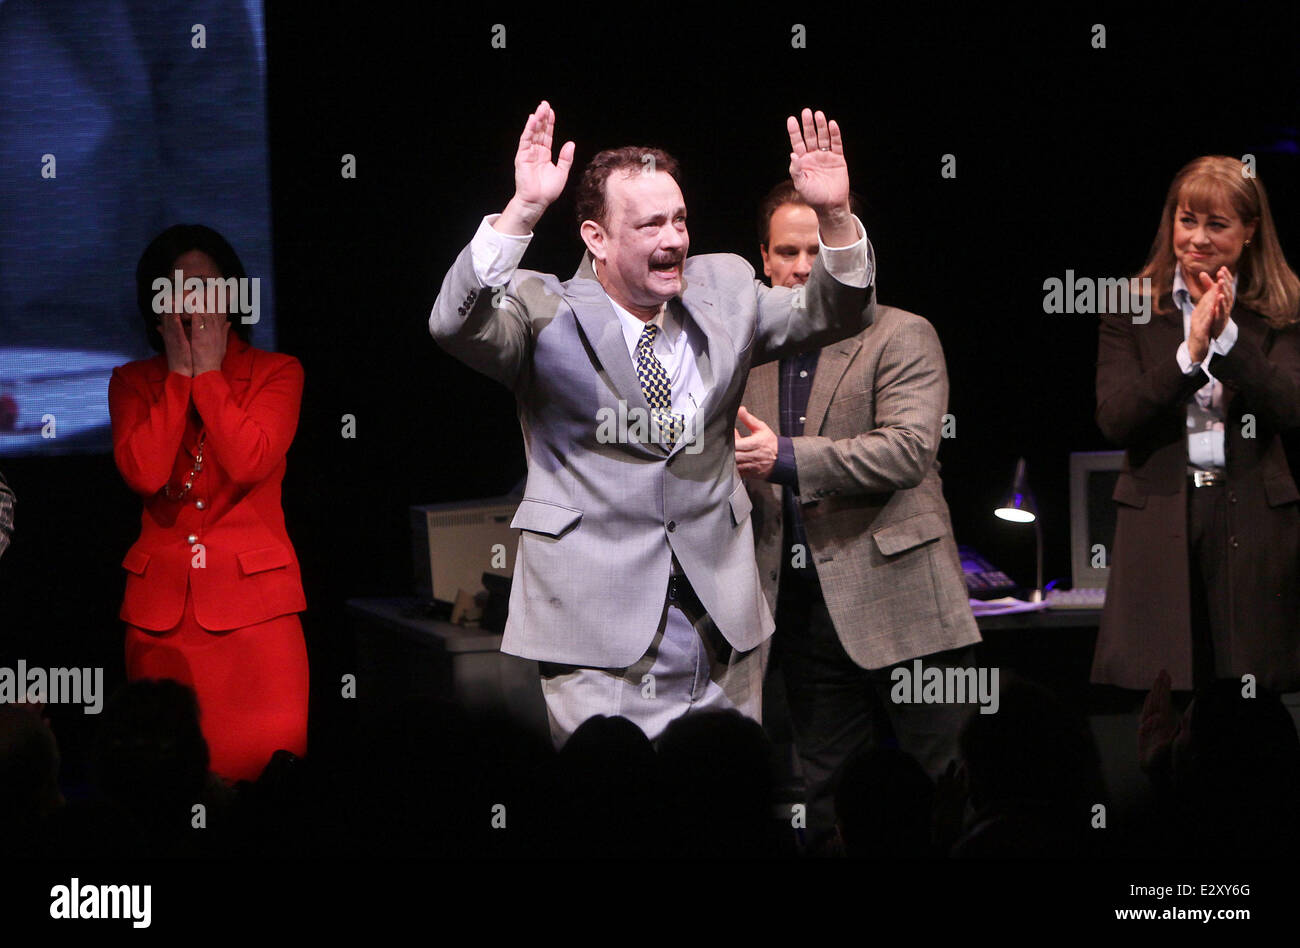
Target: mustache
668, 259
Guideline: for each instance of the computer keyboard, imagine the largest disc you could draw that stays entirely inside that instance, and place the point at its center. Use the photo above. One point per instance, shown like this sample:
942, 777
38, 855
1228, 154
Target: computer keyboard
1087, 597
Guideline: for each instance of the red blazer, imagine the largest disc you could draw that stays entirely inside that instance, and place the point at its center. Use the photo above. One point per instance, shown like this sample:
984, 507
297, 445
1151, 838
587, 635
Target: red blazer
250, 410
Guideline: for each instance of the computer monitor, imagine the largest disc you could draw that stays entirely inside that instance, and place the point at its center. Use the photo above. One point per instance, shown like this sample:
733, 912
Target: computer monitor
454, 544
1092, 514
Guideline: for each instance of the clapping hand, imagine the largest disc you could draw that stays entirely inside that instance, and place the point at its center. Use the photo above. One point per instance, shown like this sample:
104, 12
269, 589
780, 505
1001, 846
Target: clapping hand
1223, 311
1212, 312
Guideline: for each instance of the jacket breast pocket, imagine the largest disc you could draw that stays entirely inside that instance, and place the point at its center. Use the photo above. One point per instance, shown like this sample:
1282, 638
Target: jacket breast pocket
544, 517
263, 559
740, 503
910, 533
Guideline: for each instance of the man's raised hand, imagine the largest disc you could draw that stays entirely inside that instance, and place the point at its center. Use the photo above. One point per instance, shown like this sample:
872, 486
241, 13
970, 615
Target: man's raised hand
817, 166
538, 180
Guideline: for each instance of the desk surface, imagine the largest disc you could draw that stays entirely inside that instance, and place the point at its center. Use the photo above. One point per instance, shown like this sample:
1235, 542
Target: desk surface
1047, 619
410, 616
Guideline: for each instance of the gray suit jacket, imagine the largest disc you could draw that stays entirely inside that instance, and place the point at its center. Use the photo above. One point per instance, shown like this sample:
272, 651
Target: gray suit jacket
877, 525
601, 521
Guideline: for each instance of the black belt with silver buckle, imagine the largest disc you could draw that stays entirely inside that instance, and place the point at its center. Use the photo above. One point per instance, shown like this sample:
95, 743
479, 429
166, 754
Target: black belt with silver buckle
681, 593
1208, 478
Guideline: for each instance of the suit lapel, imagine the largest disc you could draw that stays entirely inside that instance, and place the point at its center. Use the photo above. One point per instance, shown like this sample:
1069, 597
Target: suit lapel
714, 361
1162, 335
831, 366
601, 325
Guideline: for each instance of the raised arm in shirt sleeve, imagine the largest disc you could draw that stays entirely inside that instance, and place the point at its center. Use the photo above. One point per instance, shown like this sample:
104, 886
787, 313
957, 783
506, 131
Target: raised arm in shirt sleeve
837, 302
476, 317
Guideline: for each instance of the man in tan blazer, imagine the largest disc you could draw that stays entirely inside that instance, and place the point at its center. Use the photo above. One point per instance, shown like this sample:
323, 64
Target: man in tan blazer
853, 538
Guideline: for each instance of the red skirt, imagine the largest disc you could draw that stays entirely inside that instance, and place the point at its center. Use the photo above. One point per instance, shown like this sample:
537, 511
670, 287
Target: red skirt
251, 683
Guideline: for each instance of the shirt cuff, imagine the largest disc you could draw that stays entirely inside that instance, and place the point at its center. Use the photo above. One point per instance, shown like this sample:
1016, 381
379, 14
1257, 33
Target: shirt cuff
784, 470
1227, 339
854, 265
496, 255
1184, 357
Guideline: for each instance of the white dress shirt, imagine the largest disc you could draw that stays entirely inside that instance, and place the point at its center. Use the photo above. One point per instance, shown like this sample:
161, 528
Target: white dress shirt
1205, 418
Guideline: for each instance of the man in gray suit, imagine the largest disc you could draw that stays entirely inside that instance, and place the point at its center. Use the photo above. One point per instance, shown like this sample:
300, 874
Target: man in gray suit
854, 541
635, 585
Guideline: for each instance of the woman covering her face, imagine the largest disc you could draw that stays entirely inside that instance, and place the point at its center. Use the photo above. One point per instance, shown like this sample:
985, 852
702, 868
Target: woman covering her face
200, 432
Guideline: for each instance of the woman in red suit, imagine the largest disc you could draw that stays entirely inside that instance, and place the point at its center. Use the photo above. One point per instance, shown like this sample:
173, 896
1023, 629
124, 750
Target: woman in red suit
213, 586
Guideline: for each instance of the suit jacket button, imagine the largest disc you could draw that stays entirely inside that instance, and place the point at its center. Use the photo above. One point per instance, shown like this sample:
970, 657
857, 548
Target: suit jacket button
772, 574
1233, 542
192, 539
672, 525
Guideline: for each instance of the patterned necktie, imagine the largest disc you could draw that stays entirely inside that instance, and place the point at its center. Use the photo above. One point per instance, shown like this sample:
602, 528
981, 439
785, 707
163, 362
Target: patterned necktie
655, 385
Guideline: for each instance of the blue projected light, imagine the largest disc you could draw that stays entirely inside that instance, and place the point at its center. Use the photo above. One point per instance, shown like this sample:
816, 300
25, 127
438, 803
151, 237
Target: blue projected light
118, 119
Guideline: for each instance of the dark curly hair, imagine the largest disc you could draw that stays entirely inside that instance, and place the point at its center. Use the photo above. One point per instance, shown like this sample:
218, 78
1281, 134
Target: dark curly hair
630, 160
158, 260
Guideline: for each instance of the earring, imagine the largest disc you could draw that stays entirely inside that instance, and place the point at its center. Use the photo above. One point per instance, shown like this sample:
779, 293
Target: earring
1247, 243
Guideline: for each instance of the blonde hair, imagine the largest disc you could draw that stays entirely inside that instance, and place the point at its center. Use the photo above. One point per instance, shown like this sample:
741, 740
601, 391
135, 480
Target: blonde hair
1265, 282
